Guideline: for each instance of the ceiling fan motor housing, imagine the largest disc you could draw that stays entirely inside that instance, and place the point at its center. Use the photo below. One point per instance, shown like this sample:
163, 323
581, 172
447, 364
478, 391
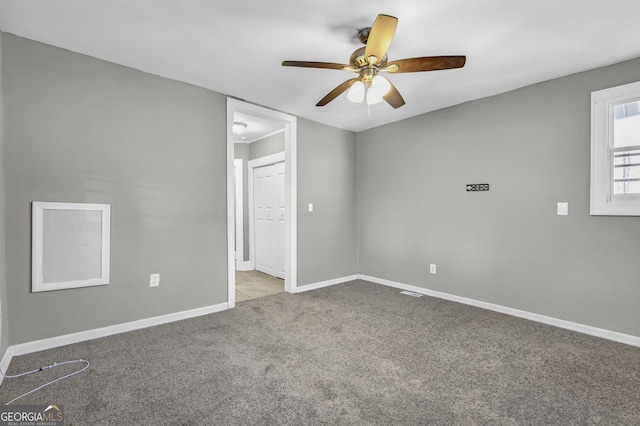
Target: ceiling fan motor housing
367, 70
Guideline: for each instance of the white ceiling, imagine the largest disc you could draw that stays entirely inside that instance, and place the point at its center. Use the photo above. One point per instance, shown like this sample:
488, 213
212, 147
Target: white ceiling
236, 48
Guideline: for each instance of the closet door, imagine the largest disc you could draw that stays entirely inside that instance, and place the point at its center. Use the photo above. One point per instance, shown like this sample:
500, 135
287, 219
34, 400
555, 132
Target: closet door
265, 236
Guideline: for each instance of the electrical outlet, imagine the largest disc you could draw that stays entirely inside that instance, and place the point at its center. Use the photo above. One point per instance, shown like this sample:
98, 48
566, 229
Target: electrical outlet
154, 280
432, 268
563, 209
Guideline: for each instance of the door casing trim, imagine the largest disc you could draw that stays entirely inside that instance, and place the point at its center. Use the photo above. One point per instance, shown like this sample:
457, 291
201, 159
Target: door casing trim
289, 123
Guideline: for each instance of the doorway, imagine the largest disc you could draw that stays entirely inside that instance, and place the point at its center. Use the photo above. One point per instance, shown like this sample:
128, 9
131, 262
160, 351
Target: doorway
288, 123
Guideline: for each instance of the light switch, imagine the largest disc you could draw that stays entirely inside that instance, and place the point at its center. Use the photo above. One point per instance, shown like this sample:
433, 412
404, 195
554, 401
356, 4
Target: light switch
154, 280
310, 207
563, 209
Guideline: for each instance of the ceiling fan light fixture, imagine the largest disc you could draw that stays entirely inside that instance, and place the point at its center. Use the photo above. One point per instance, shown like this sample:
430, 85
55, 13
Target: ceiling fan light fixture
380, 86
356, 92
239, 127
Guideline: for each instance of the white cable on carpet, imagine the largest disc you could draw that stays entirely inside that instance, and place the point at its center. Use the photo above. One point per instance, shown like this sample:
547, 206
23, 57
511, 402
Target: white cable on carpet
55, 364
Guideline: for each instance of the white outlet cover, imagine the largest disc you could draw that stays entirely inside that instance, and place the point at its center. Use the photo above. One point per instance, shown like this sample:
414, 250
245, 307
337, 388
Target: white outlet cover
563, 209
154, 280
310, 207
432, 268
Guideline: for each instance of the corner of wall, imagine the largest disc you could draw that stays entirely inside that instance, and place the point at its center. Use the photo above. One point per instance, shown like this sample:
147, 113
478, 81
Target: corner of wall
4, 323
4, 363
4, 326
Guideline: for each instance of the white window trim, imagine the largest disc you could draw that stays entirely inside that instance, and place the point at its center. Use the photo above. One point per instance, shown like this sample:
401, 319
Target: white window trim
38, 254
603, 202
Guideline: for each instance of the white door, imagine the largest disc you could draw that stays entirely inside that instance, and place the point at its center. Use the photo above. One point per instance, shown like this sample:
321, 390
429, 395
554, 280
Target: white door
269, 218
264, 200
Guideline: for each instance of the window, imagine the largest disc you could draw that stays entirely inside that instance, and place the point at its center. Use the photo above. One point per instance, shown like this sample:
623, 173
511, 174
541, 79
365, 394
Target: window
615, 151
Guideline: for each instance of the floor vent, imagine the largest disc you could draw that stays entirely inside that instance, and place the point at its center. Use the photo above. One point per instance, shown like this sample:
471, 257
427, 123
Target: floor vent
411, 293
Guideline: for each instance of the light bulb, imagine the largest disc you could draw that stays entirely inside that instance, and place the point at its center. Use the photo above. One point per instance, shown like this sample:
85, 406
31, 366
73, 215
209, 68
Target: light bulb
356, 92
379, 87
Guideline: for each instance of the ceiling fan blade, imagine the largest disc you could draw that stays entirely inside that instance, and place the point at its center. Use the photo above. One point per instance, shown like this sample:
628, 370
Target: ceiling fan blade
337, 92
393, 97
324, 65
425, 63
382, 32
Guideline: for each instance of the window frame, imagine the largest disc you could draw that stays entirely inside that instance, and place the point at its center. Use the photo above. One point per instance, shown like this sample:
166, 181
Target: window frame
39, 253
603, 202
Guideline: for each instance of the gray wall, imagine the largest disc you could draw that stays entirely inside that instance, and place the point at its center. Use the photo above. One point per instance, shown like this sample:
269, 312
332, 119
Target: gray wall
327, 237
506, 246
79, 129
4, 330
267, 146
84, 130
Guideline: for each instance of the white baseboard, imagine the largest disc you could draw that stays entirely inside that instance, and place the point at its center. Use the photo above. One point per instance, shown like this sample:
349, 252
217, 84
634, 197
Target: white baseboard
581, 328
327, 283
53, 342
244, 266
67, 339
4, 364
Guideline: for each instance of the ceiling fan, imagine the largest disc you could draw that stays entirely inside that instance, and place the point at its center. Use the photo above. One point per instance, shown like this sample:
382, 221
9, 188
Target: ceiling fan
371, 60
